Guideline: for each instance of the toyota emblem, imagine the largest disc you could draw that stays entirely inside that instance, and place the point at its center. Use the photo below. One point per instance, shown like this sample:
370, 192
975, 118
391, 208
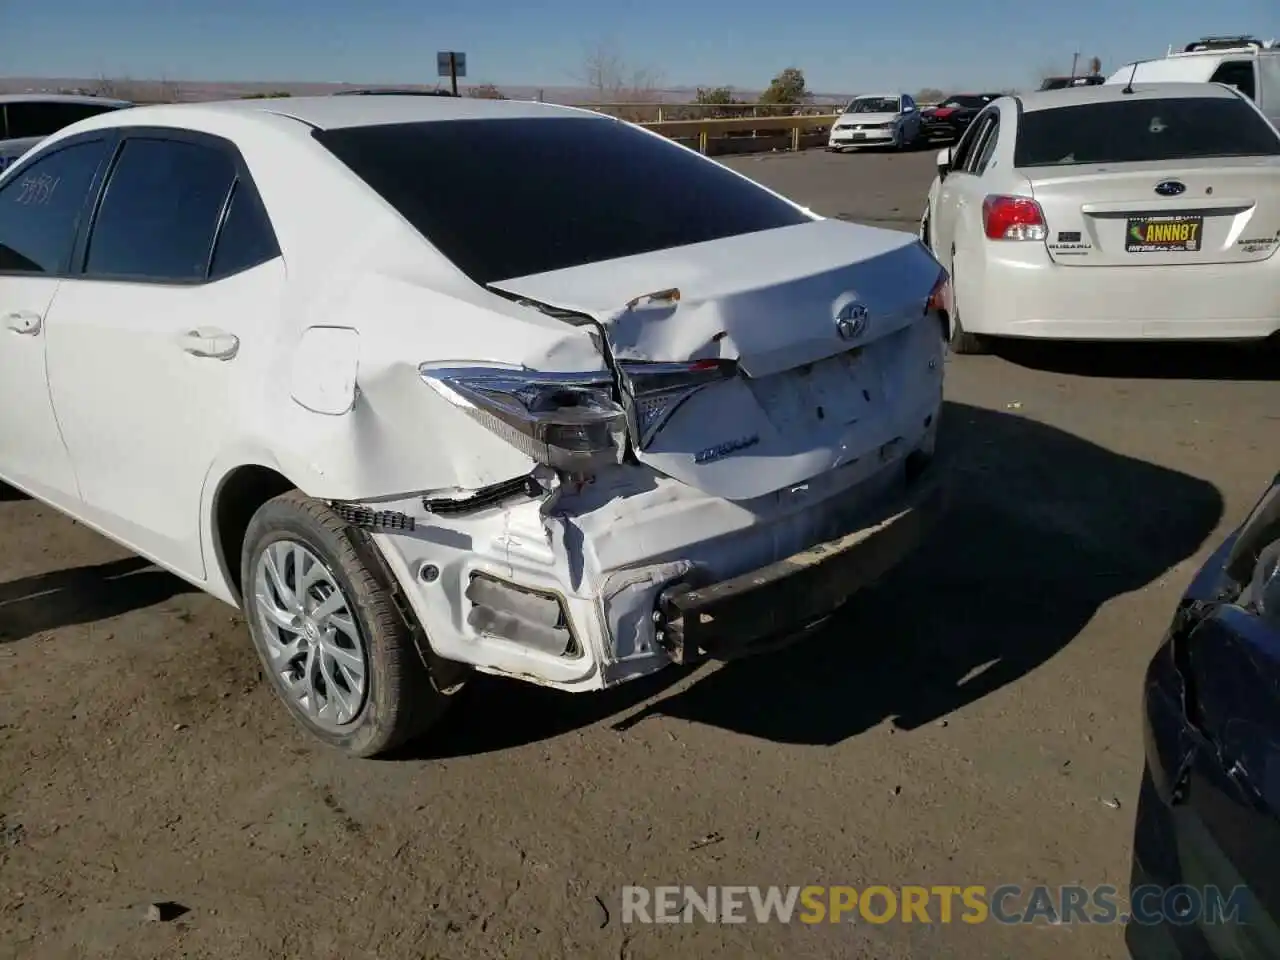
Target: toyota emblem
852, 321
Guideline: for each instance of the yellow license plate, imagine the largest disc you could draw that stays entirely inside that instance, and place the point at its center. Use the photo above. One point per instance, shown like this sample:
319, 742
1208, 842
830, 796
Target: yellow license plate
1161, 234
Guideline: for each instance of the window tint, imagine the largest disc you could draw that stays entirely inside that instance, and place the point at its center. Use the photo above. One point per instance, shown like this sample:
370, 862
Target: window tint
963, 149
246, 239
36, 119
1239, 74
982, 156
1125, 131
512, 197
40, 208
160, 211
986, 130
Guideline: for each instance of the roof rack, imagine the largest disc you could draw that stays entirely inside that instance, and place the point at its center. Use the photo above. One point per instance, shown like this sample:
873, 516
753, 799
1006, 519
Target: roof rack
1223, 43
394, 93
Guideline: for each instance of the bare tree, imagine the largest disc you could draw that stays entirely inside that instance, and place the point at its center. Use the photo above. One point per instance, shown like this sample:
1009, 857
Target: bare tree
167, 91
612, 80
109, 87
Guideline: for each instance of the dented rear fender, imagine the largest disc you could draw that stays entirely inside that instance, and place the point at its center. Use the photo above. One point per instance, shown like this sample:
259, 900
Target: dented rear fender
347, 414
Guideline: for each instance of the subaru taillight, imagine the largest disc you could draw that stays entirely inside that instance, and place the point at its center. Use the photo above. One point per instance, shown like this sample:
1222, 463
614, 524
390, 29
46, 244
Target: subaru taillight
1013, 218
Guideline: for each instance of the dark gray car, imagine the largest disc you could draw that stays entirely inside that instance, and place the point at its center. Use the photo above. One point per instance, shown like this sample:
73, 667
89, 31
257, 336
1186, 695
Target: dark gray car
27, 118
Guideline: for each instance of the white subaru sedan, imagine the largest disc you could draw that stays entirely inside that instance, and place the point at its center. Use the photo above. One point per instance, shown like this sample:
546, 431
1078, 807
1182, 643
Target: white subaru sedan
433, 385
1111, 212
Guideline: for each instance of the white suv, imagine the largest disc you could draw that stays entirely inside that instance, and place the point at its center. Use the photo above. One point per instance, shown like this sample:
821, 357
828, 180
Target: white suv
1246, 63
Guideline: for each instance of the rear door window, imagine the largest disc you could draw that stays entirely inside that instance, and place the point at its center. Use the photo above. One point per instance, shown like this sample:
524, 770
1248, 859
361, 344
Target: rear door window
44, 118
987, 145
41, 207
1143, 130
1238, 74
1269, 84
246, 238
160, 211
507, 198
963, 151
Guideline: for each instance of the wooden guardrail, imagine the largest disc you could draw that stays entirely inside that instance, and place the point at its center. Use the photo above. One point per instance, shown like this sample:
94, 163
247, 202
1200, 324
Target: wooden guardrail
707, 130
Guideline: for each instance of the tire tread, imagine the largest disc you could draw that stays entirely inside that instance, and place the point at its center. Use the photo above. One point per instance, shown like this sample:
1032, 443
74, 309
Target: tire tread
404, 699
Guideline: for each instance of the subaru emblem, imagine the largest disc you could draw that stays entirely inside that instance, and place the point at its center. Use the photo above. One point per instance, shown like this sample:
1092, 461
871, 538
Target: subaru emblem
852, 321
1170, 188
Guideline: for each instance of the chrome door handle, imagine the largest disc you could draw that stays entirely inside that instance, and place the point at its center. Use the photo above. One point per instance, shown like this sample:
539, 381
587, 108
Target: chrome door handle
211, 344
24, 321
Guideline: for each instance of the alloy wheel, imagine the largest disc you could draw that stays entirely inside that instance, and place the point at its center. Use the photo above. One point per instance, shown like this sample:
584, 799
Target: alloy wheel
311, 635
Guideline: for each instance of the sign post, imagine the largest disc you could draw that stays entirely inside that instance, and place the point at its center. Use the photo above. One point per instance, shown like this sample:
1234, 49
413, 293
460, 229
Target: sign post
451, 64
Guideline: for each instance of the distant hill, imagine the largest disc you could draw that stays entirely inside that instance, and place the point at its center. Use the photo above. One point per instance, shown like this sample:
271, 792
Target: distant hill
208, 90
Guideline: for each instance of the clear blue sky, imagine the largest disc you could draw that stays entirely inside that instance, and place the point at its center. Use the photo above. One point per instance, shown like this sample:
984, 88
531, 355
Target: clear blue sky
842, 45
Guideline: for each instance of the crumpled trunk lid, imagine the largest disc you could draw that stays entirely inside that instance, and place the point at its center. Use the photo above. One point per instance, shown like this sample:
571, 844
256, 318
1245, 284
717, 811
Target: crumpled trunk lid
826, 321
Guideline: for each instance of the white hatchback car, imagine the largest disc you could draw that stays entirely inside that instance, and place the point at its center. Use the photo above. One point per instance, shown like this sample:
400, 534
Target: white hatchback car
876, 120
1111, 213
432, 384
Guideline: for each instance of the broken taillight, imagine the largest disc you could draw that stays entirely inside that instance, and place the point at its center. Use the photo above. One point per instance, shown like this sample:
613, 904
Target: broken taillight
569, 421
652, 391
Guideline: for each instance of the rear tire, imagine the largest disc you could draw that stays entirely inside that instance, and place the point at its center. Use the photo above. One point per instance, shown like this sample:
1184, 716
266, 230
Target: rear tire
333, 643
961, 340
964, 342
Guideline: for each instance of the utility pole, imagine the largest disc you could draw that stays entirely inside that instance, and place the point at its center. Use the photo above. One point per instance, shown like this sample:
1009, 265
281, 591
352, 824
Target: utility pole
1075, 58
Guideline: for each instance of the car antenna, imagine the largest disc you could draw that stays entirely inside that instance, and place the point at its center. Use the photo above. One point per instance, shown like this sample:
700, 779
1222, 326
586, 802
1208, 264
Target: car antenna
1128, 87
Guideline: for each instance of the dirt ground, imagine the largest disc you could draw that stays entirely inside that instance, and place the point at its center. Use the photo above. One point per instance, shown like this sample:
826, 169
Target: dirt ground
973, 720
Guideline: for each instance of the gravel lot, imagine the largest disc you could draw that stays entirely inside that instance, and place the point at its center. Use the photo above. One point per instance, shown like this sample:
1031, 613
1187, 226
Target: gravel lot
971, 721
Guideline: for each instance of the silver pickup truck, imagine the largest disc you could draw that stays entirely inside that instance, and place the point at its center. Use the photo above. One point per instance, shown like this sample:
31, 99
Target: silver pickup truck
27, 118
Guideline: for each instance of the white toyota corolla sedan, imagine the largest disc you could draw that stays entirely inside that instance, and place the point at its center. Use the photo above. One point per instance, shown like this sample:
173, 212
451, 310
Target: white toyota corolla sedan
1111, 212
428, 385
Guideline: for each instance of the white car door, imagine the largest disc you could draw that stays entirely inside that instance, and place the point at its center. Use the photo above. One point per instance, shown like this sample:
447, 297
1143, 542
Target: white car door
180, 270
953, 193
41, 205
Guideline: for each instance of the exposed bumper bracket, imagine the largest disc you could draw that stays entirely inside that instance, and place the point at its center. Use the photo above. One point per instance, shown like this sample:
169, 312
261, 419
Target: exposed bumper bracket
775, 604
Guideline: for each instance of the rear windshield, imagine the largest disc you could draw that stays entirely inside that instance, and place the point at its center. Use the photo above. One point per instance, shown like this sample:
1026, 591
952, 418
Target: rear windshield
508, 198
1127, 131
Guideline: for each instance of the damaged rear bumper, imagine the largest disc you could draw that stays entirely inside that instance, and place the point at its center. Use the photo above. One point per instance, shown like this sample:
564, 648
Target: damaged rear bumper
606, 582
773, 605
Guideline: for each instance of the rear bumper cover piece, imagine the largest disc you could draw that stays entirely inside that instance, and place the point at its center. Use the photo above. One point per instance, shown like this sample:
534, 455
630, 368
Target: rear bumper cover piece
769, 607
